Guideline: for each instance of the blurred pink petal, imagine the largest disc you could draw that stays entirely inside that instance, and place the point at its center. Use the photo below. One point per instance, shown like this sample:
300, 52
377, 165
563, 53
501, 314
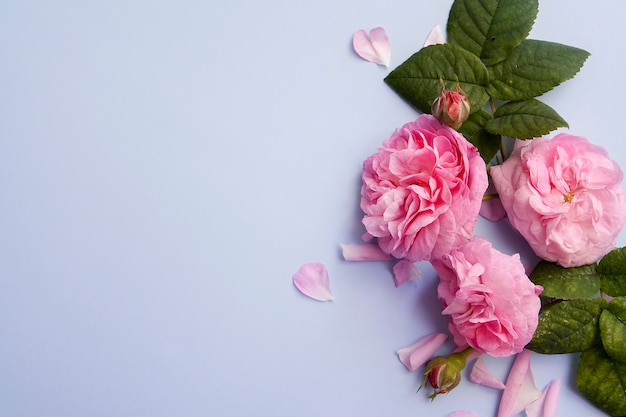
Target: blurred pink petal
483, 376
462, 413
363, 252
546, 406
376, 48
520, 389
312, 281
435, 37
492, 208
405, 271
419, 352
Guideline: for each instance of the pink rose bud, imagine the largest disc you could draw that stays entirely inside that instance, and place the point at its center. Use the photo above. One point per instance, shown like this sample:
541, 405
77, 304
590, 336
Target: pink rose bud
451, 108
444, 373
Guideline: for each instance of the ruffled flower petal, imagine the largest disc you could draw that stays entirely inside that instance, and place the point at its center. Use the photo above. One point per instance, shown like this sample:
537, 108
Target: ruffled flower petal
405, 271
419, 352
547, 405
435, 37
520, 389
312, 280
363, 252
483, 376
375, 48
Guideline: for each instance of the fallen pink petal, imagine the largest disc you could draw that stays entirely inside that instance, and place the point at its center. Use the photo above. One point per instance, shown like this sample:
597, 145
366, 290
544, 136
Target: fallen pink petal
520, 389
547, 405
363, 252
312, 280
483, 376
435, 37
375, 48
462, 413
405, 271
418, 353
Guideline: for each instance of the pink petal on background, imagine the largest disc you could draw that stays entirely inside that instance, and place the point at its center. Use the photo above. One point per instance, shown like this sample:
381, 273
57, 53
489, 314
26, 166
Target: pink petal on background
547, 405
462, 413
405, 271
312, 280
363, 252
419, 352
491, 208
375, 48
483, 376
435, 37
520, 389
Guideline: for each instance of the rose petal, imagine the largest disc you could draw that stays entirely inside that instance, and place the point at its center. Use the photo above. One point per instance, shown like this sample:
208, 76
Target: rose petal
483, 376
376, 48
419, 352
520, 389
363, 252
546, 406
312, 280
462, 413
491, 207
405, 271
435, 37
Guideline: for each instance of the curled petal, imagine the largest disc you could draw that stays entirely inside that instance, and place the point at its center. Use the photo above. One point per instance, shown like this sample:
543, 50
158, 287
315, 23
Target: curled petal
405, 271
419, 352
363, 252
375, 48
520, 389
462, 413
312, 280
435, 37
546, 406
483, 376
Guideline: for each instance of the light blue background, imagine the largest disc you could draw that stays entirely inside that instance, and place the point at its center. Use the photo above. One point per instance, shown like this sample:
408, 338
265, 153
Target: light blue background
165, 168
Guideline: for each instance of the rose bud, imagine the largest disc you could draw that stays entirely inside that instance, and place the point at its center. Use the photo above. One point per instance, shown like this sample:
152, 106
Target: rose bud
451, 108
444, 373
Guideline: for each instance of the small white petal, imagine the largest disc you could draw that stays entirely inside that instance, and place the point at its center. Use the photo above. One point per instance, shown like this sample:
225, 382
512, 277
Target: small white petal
435, 37
483, 376
312, 280
547, 405
520, 389
375, 48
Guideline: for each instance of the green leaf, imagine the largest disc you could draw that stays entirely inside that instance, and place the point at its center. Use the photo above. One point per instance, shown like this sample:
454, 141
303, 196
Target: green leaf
612, 270
534, 68
474, 131
568, 326
491, 29
418, 79
566, 283
602, 381
613, 329
525, 120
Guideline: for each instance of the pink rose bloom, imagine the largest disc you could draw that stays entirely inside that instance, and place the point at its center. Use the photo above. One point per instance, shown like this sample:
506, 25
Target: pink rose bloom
422, 190
565, 198
493, 306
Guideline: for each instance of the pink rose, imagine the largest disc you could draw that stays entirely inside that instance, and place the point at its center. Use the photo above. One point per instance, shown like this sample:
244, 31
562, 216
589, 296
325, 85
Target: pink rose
564, 196
493, 306
422, 191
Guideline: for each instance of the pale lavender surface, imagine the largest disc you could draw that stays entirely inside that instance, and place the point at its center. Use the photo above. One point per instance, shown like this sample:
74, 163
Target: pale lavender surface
166, 167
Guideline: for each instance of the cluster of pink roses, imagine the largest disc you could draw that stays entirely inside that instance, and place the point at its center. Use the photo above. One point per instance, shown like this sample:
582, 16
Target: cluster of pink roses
422, 193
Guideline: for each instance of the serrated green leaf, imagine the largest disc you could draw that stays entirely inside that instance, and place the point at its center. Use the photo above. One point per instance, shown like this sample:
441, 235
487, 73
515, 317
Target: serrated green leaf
474, 131
491, 29
569, 326
418, 79
566, 283
534, 68
612, 271
525, 120
613, 335
602, 381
